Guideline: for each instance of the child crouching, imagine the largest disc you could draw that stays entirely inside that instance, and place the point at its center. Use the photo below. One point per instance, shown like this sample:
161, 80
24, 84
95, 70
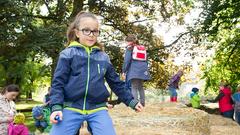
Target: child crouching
17, 127
195, 98
41, 117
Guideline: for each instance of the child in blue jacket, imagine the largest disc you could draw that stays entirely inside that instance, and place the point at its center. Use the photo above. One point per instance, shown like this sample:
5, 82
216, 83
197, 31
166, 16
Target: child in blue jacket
78, 82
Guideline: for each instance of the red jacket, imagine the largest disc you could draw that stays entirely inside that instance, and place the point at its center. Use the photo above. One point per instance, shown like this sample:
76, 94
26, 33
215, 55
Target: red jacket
225, 103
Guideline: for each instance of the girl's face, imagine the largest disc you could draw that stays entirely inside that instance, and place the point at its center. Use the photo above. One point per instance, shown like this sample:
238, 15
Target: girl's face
88, 31
11, 95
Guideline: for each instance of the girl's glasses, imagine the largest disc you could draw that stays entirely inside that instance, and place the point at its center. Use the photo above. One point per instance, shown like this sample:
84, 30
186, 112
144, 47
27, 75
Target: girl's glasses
87, 32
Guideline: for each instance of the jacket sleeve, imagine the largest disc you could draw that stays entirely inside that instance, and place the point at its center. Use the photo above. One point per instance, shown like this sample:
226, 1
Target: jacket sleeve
127, 60
60, 78
118, 87
219, 96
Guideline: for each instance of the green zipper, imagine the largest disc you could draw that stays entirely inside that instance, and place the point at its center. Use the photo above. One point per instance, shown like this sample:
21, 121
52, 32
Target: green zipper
86, 91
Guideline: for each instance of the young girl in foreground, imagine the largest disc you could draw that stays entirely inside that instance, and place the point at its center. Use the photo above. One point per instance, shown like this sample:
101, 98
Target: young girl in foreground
79, 82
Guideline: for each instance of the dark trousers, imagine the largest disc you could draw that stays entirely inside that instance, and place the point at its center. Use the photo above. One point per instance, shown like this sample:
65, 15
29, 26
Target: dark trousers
228, 114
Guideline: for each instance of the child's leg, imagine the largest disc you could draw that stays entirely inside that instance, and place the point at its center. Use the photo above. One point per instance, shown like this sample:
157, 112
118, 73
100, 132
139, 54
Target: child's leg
134, 84
173, 94
69, 125
141, 92
101, 123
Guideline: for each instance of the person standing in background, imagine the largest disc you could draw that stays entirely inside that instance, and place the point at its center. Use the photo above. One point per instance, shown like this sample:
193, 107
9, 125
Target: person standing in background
135, 70
174, 85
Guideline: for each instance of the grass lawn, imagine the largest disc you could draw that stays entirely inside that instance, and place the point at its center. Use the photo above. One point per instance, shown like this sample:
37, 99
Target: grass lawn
26, 108
27, 104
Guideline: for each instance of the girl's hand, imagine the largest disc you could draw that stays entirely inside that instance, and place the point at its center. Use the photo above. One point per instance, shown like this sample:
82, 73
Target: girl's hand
139, 107
53, 116
109, 106
123, 76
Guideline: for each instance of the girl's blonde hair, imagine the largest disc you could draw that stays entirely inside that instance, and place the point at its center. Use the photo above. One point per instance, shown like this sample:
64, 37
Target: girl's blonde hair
71, 35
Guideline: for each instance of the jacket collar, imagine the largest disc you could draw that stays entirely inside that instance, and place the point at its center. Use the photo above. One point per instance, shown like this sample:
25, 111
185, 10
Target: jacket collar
88, 49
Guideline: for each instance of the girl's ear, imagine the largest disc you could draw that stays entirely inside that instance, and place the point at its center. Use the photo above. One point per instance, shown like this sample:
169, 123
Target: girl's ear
77, 33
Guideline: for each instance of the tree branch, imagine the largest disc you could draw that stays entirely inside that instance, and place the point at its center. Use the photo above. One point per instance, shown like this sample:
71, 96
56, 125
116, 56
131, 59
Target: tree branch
43, 17
114, 25
179, 37
142, 20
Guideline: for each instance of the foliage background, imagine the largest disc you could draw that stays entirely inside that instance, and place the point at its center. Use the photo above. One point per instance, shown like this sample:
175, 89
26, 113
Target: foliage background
30, 39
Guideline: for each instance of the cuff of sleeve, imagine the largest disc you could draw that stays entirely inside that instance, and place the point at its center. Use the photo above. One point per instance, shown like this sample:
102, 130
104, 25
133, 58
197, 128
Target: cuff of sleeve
56, 108
133, 103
